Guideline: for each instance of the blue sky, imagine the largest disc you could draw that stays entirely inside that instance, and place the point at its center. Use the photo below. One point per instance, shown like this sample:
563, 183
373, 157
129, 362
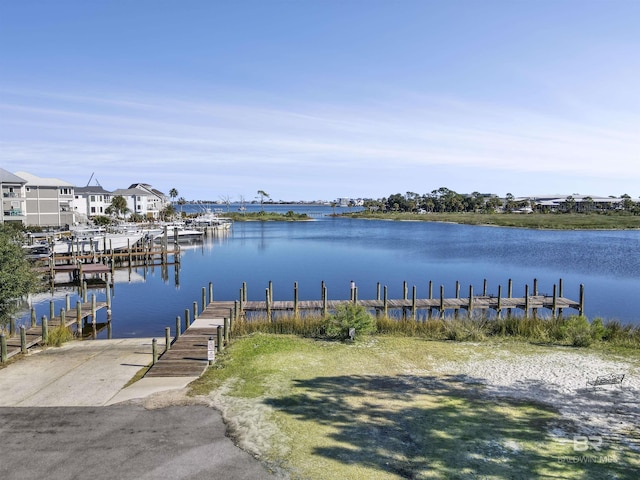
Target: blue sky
324, 99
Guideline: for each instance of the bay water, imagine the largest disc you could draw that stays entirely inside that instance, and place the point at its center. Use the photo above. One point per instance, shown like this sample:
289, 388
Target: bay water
340, 250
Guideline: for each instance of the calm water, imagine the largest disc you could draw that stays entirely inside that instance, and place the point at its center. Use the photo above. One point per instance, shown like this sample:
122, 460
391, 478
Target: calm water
340, 250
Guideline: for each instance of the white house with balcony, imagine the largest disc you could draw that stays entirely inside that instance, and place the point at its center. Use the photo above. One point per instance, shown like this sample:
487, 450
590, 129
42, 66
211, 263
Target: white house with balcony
91, 201
143, 199
14, 200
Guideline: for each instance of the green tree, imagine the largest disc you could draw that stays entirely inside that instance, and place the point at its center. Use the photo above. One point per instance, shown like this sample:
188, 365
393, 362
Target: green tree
173, 193
17, 279
118, 206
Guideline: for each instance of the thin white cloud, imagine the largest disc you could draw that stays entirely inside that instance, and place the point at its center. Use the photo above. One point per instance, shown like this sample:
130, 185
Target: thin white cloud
54, 135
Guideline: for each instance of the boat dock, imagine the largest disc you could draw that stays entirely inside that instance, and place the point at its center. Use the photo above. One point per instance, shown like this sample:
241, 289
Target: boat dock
530, 303
196, 342
28, 337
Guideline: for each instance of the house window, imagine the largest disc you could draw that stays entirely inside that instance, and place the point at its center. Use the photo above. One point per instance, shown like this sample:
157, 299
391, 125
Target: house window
93, 209
93, 198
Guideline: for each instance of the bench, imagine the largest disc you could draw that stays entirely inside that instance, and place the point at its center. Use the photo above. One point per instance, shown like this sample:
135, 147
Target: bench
611, 379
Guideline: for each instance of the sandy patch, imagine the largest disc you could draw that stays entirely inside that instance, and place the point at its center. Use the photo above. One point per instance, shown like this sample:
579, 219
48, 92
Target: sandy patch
559, 379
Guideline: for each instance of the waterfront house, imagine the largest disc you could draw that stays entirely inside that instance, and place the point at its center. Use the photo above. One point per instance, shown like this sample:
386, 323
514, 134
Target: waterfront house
13, 198
48, 201
143, 200
91, 201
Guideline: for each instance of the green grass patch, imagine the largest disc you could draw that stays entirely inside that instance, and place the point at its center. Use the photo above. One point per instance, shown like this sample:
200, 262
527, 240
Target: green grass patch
379, 409
555, 221
59, 335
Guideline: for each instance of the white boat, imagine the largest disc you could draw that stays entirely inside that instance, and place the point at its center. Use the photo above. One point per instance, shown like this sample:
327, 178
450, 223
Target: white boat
183, 233
209, 219
89, 240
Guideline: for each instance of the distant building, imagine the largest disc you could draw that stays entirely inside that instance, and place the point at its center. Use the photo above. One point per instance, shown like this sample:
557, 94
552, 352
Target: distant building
48, 201
14, 200
143, 200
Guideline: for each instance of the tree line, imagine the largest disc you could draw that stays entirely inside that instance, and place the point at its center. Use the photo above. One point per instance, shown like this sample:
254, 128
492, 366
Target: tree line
444, 200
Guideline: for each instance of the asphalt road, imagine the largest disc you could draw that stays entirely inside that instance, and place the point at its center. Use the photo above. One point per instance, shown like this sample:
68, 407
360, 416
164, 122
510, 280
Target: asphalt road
64, 414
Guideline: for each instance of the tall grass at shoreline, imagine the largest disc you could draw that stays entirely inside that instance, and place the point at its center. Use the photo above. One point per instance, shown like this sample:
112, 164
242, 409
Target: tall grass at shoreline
575, 330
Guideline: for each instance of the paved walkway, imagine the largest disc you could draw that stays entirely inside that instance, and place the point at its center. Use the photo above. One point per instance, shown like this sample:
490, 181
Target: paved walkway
65, 414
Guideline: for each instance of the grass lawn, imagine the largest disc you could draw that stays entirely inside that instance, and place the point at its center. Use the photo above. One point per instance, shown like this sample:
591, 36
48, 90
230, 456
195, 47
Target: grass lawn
565, 221
382, 408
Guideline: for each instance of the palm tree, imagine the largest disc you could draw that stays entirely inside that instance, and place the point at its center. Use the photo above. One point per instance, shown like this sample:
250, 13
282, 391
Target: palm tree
263, 195
118, 206
173, 193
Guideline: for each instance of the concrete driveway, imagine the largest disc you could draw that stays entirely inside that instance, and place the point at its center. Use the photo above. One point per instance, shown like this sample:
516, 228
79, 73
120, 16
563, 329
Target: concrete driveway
64, 414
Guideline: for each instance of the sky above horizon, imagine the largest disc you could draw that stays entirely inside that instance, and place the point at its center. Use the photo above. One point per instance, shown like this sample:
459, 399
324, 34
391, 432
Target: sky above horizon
323, 99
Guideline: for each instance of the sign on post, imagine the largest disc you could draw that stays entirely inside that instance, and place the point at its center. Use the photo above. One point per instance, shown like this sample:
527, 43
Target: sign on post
211, 351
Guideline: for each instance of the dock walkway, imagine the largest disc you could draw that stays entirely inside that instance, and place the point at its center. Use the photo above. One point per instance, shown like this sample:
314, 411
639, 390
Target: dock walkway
34, 335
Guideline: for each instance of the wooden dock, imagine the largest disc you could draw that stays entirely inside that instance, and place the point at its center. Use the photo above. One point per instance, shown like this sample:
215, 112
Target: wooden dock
20, 341
189, 353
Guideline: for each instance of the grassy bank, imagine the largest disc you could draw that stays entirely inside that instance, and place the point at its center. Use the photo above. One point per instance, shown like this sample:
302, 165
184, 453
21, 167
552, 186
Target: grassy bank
391, 407
572, 331
565, 221
289, 216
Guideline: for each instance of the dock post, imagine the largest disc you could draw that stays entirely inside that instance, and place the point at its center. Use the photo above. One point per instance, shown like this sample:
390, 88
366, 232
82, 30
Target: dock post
3, 348
178, 326
385, 302
33, 317
108, 301
526, 300
378, 291
63, 318
68, 301
204, 298
227, 331
236, 310
79, 318
535, 294
581, 310
484, 288
555, 300
84, 292
154, 351
560, 294
499, 306
12, 327
220, 337
509, 293
244, 291
93, 308
241, 301
210, 292
322, 288
187, 318
441, 301
470, 306
268, 304
45, 329
295, 299
325, 300
271, 290
195, 311
52, 312
414, 303
23, 339
355, 296
167, 339
430, 289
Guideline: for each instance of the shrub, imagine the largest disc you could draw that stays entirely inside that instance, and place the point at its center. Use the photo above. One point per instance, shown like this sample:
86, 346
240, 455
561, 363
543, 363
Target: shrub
59, 335
350, 316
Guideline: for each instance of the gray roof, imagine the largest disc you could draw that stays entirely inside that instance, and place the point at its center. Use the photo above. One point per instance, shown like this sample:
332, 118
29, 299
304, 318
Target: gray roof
130, 191
95, 189
43, 182
8, 177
